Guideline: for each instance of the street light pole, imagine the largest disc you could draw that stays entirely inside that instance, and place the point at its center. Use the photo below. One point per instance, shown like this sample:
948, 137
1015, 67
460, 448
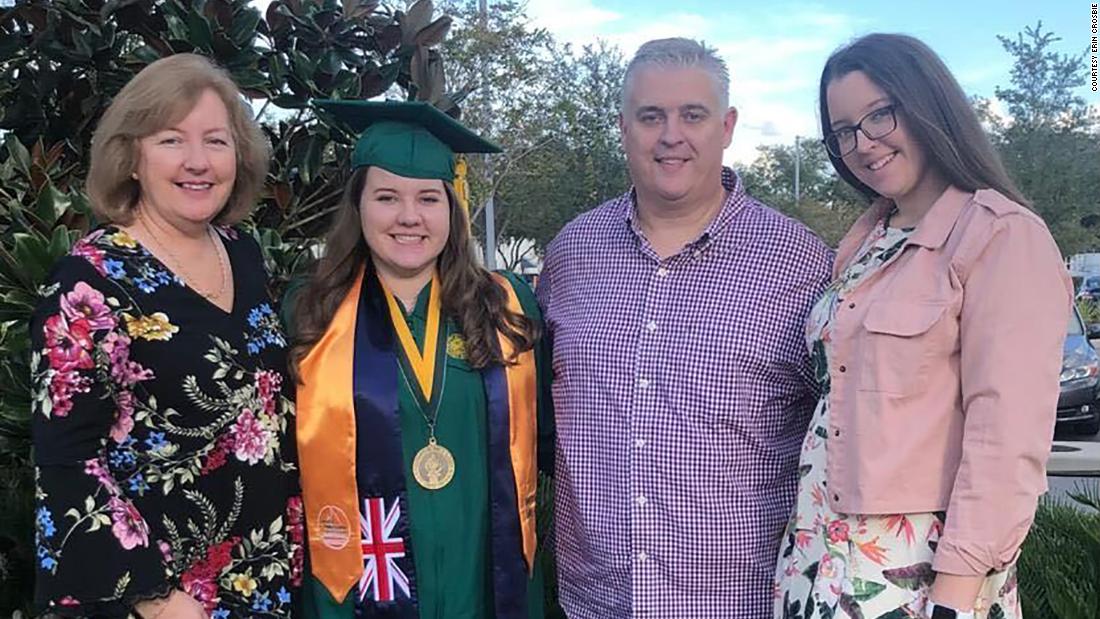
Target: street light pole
797, 166
490, 214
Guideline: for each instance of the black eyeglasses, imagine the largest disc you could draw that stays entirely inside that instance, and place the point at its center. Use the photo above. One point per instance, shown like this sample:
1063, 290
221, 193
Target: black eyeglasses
876, 124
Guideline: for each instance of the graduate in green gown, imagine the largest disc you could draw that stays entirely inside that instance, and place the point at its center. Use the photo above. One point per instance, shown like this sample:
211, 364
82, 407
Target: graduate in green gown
423, 405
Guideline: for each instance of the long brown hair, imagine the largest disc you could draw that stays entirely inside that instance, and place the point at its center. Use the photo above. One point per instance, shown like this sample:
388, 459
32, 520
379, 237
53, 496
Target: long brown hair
470, 295
940, 116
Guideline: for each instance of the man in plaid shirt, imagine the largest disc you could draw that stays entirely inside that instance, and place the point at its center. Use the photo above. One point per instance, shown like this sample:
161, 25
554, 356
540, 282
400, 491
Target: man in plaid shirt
682, 378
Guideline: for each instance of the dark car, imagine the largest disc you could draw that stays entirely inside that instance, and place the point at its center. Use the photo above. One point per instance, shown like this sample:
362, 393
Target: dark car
1078, 410
1089, 288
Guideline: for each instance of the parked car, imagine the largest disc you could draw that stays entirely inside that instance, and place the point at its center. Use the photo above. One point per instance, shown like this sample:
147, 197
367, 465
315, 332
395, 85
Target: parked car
1089, 288
1078, 409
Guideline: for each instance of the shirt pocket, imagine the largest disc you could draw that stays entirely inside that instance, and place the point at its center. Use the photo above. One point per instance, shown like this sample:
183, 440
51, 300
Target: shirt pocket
899, 341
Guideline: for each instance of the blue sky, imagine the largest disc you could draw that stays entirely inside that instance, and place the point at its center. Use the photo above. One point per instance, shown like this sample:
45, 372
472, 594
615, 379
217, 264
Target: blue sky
775, 50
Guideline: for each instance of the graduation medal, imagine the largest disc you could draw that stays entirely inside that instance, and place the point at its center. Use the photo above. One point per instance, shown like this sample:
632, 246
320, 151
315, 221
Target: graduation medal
433, 467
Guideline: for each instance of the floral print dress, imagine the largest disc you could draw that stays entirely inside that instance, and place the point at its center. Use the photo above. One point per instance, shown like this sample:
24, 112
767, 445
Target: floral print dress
860, 566
163, 433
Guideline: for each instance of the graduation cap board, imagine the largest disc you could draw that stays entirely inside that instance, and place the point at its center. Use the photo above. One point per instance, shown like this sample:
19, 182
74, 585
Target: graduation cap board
409, 138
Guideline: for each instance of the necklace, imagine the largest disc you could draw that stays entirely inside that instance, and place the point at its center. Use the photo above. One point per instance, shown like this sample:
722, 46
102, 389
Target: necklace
177, 264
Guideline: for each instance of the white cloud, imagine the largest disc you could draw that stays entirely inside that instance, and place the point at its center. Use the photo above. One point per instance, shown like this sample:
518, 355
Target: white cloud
572, 21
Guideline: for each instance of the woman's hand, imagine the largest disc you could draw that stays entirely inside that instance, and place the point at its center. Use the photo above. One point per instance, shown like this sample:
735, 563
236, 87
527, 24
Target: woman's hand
178, 605
958, 592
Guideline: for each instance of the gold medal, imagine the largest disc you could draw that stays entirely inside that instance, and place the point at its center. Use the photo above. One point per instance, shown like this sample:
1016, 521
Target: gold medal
434, 466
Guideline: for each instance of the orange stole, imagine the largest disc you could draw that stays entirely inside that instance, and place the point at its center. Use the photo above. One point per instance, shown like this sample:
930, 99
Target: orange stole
523, 427
326, 451
327, 441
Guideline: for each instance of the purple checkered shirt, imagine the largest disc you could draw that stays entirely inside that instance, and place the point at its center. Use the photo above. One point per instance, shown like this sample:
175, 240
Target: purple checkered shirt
682, 390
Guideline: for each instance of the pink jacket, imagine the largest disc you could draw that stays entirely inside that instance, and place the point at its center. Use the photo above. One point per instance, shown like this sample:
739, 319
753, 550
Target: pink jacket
945, 372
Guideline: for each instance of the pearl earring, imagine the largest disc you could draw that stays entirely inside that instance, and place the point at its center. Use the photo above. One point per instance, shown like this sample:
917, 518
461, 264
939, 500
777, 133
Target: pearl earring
133, 175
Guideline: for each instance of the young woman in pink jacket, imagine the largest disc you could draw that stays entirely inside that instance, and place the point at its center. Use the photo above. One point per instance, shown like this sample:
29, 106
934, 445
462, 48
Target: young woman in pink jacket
938, 348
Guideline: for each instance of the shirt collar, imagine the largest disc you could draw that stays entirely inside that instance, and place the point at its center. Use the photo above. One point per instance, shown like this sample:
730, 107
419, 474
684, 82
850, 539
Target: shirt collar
931, 232
732, 206
937, 223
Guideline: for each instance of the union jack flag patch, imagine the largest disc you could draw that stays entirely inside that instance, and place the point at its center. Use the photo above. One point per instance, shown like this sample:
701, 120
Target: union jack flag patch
382, 577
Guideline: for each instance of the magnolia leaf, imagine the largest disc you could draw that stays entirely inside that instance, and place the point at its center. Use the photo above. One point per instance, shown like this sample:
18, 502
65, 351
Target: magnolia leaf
434, 33
416, 18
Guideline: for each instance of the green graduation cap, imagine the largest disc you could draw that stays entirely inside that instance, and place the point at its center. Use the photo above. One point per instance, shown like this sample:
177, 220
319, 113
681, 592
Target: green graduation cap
409, 138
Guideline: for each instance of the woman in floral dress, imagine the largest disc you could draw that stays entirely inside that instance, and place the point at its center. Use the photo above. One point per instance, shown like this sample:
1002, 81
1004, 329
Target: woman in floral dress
925, 456
162, 417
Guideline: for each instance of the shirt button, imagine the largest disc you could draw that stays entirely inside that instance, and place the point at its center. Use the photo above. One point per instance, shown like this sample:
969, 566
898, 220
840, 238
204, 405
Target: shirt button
662, 272
642, 556
836, 431
651, 326
842, 369
851, 306
639, 443
836, 497
641, 500
643, 382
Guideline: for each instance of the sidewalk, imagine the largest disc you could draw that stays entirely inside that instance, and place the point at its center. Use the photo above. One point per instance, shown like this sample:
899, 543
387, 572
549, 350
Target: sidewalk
1074, 459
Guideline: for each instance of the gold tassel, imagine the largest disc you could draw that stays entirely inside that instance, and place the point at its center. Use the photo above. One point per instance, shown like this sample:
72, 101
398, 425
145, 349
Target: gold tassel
462, 186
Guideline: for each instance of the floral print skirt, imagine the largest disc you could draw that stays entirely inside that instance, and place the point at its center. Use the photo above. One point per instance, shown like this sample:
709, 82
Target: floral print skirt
859, 566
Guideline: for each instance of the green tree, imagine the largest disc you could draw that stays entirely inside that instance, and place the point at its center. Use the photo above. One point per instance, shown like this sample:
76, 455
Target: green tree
552, 110
582, 164
826, 204
1050, 143
1044, 82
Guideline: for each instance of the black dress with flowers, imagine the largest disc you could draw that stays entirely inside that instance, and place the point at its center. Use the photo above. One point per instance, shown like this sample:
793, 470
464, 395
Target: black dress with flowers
163, 434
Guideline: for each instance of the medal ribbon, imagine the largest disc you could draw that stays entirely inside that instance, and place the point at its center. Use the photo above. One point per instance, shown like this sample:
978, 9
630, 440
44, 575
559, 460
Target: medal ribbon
422, 362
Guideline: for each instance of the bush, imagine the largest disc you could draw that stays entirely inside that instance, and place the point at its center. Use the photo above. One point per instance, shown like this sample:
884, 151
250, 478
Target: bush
1059, 567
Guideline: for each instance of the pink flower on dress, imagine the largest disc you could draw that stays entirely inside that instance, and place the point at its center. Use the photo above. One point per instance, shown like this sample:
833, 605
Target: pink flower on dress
296, 528
802, 538
129, 527
204, 592
200, 580
64, 384
250, 438
68, 344
85, 302
87, 250
830, 578
838, 531
125, 372
98, 470
124, 416
268, 385
117, 346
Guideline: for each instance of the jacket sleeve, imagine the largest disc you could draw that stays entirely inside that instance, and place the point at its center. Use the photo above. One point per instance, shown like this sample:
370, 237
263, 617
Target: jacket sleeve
1015, 311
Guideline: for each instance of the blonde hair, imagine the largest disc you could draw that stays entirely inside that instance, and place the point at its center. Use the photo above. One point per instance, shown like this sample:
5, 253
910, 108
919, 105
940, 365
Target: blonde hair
159, 96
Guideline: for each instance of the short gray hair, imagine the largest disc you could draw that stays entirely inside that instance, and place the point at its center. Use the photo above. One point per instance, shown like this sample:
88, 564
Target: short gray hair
679, 53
